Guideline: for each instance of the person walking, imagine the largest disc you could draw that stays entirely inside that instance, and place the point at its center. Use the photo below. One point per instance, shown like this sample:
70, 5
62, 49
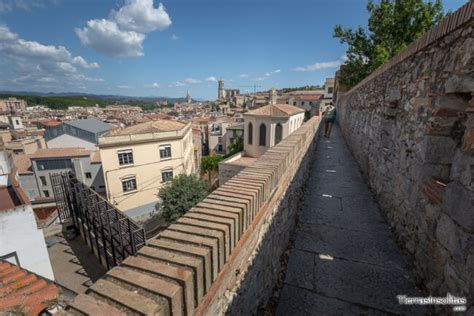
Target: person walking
329, 116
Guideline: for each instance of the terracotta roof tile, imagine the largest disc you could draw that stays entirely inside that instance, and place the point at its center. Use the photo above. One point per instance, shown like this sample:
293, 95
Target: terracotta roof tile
24, 292
60, 152
154, 126
50, 122
276, 110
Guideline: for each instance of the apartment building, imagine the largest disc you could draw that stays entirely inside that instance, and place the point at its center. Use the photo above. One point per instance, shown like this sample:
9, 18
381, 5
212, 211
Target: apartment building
137, 161
12, 105
82, 162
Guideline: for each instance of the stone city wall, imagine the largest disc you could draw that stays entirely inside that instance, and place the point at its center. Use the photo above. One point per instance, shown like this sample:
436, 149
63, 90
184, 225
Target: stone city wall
224, 254
410, 126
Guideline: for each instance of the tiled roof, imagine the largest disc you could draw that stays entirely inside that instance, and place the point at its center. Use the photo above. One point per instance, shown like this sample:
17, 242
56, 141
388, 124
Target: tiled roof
50, 122
24, 293
276, 110
22, 163
154, 126
60, 152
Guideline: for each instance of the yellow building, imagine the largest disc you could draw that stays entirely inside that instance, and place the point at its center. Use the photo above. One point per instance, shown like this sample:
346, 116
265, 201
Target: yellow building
138, 160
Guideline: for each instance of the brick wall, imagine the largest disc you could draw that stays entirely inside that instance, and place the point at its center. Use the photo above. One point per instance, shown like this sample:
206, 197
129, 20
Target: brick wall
410, 126
223, 255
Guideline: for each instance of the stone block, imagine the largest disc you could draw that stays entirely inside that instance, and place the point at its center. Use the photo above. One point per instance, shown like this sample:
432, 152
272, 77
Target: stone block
460, 84
451, 103
131, 299
166, 289
394, 96
438, 149
446, 233
459, 205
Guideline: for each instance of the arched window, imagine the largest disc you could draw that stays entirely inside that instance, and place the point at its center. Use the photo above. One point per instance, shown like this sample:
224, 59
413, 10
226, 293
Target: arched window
250, 135
263, 135
278, 133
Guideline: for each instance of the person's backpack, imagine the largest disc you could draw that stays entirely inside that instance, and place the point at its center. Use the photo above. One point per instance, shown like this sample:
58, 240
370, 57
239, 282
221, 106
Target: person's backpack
331, 113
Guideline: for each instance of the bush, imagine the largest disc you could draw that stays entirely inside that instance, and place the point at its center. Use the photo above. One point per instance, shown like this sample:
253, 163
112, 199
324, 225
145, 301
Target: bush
179, 195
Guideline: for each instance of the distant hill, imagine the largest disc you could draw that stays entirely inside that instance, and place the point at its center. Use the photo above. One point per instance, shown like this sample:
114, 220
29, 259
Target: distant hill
64, 100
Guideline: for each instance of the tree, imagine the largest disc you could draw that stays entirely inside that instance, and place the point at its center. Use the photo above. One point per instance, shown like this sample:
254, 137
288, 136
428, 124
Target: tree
307, 115
392, 26
179, 195
210, 164
236, 147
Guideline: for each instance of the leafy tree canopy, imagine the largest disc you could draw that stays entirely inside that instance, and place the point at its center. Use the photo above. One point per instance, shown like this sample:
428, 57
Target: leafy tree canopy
179, 195
210, 163
392, 26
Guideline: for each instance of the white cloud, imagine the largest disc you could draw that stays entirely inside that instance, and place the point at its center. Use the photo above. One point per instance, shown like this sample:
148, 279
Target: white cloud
123, 33
123, 86
140, 16
212, 79
106, 37
192, 81
154, 85
33, 63
174, 37
176, 84
27, 5
322, 65
78, 60
243, 76
271, 73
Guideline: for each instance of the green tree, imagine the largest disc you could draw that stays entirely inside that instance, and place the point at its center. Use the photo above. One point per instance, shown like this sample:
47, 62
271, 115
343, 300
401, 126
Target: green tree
179, 195
307, 115
392, 26
236, 147
210, 164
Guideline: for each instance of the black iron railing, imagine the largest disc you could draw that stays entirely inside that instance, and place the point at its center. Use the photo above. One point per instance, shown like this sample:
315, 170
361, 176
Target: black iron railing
110, 233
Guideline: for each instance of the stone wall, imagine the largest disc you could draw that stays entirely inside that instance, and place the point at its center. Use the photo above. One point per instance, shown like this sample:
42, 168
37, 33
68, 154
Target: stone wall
223, 255
410, 125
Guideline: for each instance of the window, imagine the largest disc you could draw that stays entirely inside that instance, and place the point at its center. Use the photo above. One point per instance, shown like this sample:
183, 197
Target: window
17, 122
46, 193
310, 102
165, 151
294, 103
125, 157
43, 180
330, 89
88, 175
263, 135
129, 184
278, 133
166, 175
250, 135
53, 164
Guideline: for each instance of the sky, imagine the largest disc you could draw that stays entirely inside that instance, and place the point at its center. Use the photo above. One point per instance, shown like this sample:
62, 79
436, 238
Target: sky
152, 48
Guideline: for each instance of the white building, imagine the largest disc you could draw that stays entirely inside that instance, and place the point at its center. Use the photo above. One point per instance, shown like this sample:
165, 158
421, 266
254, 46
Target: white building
264, 128
21, 242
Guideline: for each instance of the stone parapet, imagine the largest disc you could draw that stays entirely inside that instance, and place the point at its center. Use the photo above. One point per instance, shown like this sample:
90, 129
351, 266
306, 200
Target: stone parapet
231, 241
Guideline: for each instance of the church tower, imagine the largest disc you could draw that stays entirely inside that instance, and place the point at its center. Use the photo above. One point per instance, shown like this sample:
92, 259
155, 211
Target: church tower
188, 97
221, 90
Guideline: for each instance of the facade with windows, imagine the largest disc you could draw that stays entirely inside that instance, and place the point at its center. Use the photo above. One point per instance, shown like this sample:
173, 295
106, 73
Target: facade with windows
138, 160
79, 161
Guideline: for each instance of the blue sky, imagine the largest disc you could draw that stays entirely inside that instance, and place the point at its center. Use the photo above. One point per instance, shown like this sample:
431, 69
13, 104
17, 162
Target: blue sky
152, 48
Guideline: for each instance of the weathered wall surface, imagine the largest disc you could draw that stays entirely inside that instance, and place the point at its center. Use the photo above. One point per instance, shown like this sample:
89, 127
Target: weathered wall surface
410, 125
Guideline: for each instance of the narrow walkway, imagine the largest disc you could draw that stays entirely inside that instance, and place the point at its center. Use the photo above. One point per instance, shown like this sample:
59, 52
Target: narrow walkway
344, 260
